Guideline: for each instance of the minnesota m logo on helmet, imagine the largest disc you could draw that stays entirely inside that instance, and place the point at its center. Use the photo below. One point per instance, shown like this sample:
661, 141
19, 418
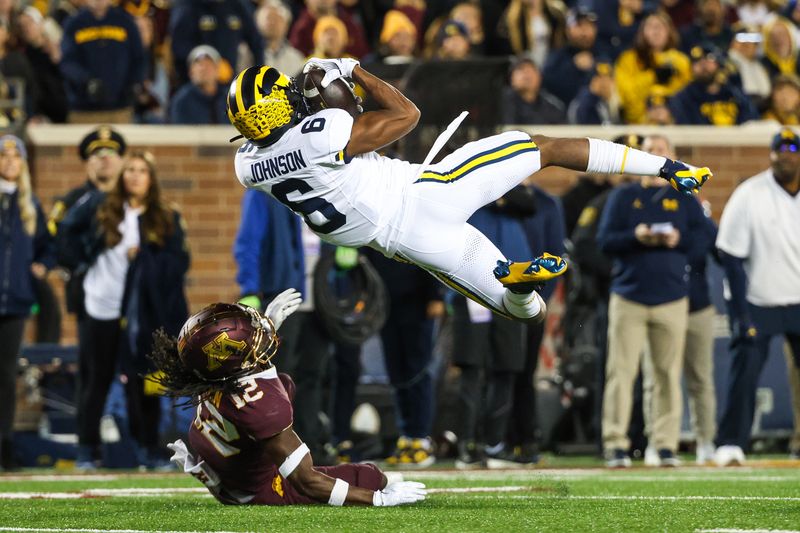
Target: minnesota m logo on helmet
263, 104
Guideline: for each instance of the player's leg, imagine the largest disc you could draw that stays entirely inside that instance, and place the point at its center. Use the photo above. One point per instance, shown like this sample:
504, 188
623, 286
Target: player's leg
463, 258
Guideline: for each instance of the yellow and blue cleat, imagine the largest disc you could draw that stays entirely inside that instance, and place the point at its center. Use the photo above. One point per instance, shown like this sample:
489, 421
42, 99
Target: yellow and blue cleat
529, 276
684, 178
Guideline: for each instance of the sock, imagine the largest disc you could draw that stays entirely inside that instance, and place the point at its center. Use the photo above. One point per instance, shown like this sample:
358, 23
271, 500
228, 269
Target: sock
606, 157
521, 305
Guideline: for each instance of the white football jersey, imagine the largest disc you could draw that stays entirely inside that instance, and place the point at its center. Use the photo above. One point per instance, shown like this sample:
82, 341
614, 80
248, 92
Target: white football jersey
348, 203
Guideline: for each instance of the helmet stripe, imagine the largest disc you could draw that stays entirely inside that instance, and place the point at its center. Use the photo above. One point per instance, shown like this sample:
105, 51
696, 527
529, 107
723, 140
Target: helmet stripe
239, 105
248, 87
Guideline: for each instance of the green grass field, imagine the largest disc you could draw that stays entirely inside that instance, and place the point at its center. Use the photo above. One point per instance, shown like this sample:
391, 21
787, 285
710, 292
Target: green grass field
763, 496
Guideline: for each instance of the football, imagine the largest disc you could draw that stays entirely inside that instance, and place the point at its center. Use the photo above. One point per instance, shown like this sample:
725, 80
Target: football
338, 94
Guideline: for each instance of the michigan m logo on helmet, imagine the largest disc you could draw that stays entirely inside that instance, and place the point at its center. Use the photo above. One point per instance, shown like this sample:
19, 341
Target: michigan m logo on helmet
263, 104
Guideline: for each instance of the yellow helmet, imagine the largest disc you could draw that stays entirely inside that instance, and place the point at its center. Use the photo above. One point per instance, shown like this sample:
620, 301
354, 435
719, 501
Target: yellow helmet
264, 103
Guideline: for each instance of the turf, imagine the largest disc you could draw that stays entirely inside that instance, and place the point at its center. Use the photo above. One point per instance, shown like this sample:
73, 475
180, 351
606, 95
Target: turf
573, 500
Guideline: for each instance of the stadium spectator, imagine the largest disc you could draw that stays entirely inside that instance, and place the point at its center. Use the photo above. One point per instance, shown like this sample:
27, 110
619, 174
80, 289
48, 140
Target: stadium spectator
273, 20
597, 103
398, 39
469, 14
490, 345
571, 67
415, 303
150, 97
101, 150
14, 64
682, 12
744, 53
533, 28
27, 254
586, 319
330, 38
658, 111
780, 47
204, 99
711, 27
223, 24
619, 23
452, 42
275, 251
586, 188
101, 64
131, 244
784, 102
43, 55
302, 32
711, 98
653, 62
650, 231
698, 353
525, 102
545, 231
757, 243
791, 11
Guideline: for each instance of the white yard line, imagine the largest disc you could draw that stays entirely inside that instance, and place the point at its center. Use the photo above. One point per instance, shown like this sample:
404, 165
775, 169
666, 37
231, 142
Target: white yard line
746, 531
80, 530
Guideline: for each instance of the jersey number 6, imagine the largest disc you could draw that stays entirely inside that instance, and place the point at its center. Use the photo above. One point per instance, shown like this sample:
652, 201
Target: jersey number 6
335, 219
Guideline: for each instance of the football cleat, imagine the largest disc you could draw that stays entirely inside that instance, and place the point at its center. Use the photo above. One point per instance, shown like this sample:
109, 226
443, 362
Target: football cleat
684, 178
529, 276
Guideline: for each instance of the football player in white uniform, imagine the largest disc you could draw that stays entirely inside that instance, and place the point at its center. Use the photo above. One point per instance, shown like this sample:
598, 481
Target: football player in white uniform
324, 166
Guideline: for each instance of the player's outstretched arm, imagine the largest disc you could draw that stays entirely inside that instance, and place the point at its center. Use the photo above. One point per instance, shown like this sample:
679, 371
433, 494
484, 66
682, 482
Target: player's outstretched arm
375, 129
296, 465
605, 157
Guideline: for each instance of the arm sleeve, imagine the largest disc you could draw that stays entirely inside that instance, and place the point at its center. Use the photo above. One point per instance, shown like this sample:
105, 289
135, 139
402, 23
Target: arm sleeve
737, 283
613, 235
247, 246
76, 241
44, 245
71, 67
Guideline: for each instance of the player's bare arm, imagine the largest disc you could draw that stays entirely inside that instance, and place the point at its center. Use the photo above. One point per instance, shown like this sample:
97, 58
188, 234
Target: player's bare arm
375, 129
310, 482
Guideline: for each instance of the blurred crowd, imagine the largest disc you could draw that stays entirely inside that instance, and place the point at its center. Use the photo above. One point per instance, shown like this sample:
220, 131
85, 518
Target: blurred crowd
719, 62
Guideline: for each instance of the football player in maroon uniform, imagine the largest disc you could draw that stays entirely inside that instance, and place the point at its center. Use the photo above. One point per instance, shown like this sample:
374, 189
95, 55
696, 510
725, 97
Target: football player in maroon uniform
245, 451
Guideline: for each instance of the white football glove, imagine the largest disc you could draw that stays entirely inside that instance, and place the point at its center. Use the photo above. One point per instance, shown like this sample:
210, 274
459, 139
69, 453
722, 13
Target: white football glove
334, 68
399, 493
282, 306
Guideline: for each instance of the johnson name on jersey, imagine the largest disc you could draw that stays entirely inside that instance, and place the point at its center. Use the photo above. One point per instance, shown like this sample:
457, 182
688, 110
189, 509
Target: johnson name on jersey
348, 202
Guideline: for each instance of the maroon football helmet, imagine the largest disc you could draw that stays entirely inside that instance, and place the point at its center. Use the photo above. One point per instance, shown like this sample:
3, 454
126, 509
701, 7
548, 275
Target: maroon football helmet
224, 341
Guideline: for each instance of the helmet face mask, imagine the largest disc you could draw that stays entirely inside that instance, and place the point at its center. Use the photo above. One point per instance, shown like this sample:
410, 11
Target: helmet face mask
263, 104
224, 342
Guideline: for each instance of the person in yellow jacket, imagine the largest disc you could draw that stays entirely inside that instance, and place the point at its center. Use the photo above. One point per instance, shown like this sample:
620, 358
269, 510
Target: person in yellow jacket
653, 62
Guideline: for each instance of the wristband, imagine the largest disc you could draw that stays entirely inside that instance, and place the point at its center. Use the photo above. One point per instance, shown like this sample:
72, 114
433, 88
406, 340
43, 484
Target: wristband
291, 463
339, 493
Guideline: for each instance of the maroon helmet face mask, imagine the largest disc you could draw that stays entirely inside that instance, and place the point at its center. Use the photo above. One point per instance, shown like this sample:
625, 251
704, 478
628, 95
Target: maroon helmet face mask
226, 341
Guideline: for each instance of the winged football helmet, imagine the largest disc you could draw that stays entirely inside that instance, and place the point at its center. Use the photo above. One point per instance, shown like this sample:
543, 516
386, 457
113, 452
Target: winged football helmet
263, 103
226, 341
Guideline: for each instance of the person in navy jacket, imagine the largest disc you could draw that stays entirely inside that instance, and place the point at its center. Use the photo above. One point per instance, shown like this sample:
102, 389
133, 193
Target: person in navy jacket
203, 100
650, 232
545, 231
102, 62
26, 251
490, 344
712, 98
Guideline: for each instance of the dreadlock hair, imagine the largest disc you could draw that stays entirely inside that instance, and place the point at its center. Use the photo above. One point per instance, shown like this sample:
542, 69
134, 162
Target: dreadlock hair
179, 380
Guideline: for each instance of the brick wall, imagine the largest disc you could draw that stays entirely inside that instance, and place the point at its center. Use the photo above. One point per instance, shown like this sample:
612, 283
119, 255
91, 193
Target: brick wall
196, 172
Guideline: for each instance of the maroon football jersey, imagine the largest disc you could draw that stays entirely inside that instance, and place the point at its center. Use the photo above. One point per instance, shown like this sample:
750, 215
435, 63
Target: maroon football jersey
229, 431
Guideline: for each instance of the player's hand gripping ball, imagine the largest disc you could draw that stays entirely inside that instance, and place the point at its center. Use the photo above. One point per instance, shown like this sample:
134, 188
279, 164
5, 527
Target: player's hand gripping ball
338, 93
